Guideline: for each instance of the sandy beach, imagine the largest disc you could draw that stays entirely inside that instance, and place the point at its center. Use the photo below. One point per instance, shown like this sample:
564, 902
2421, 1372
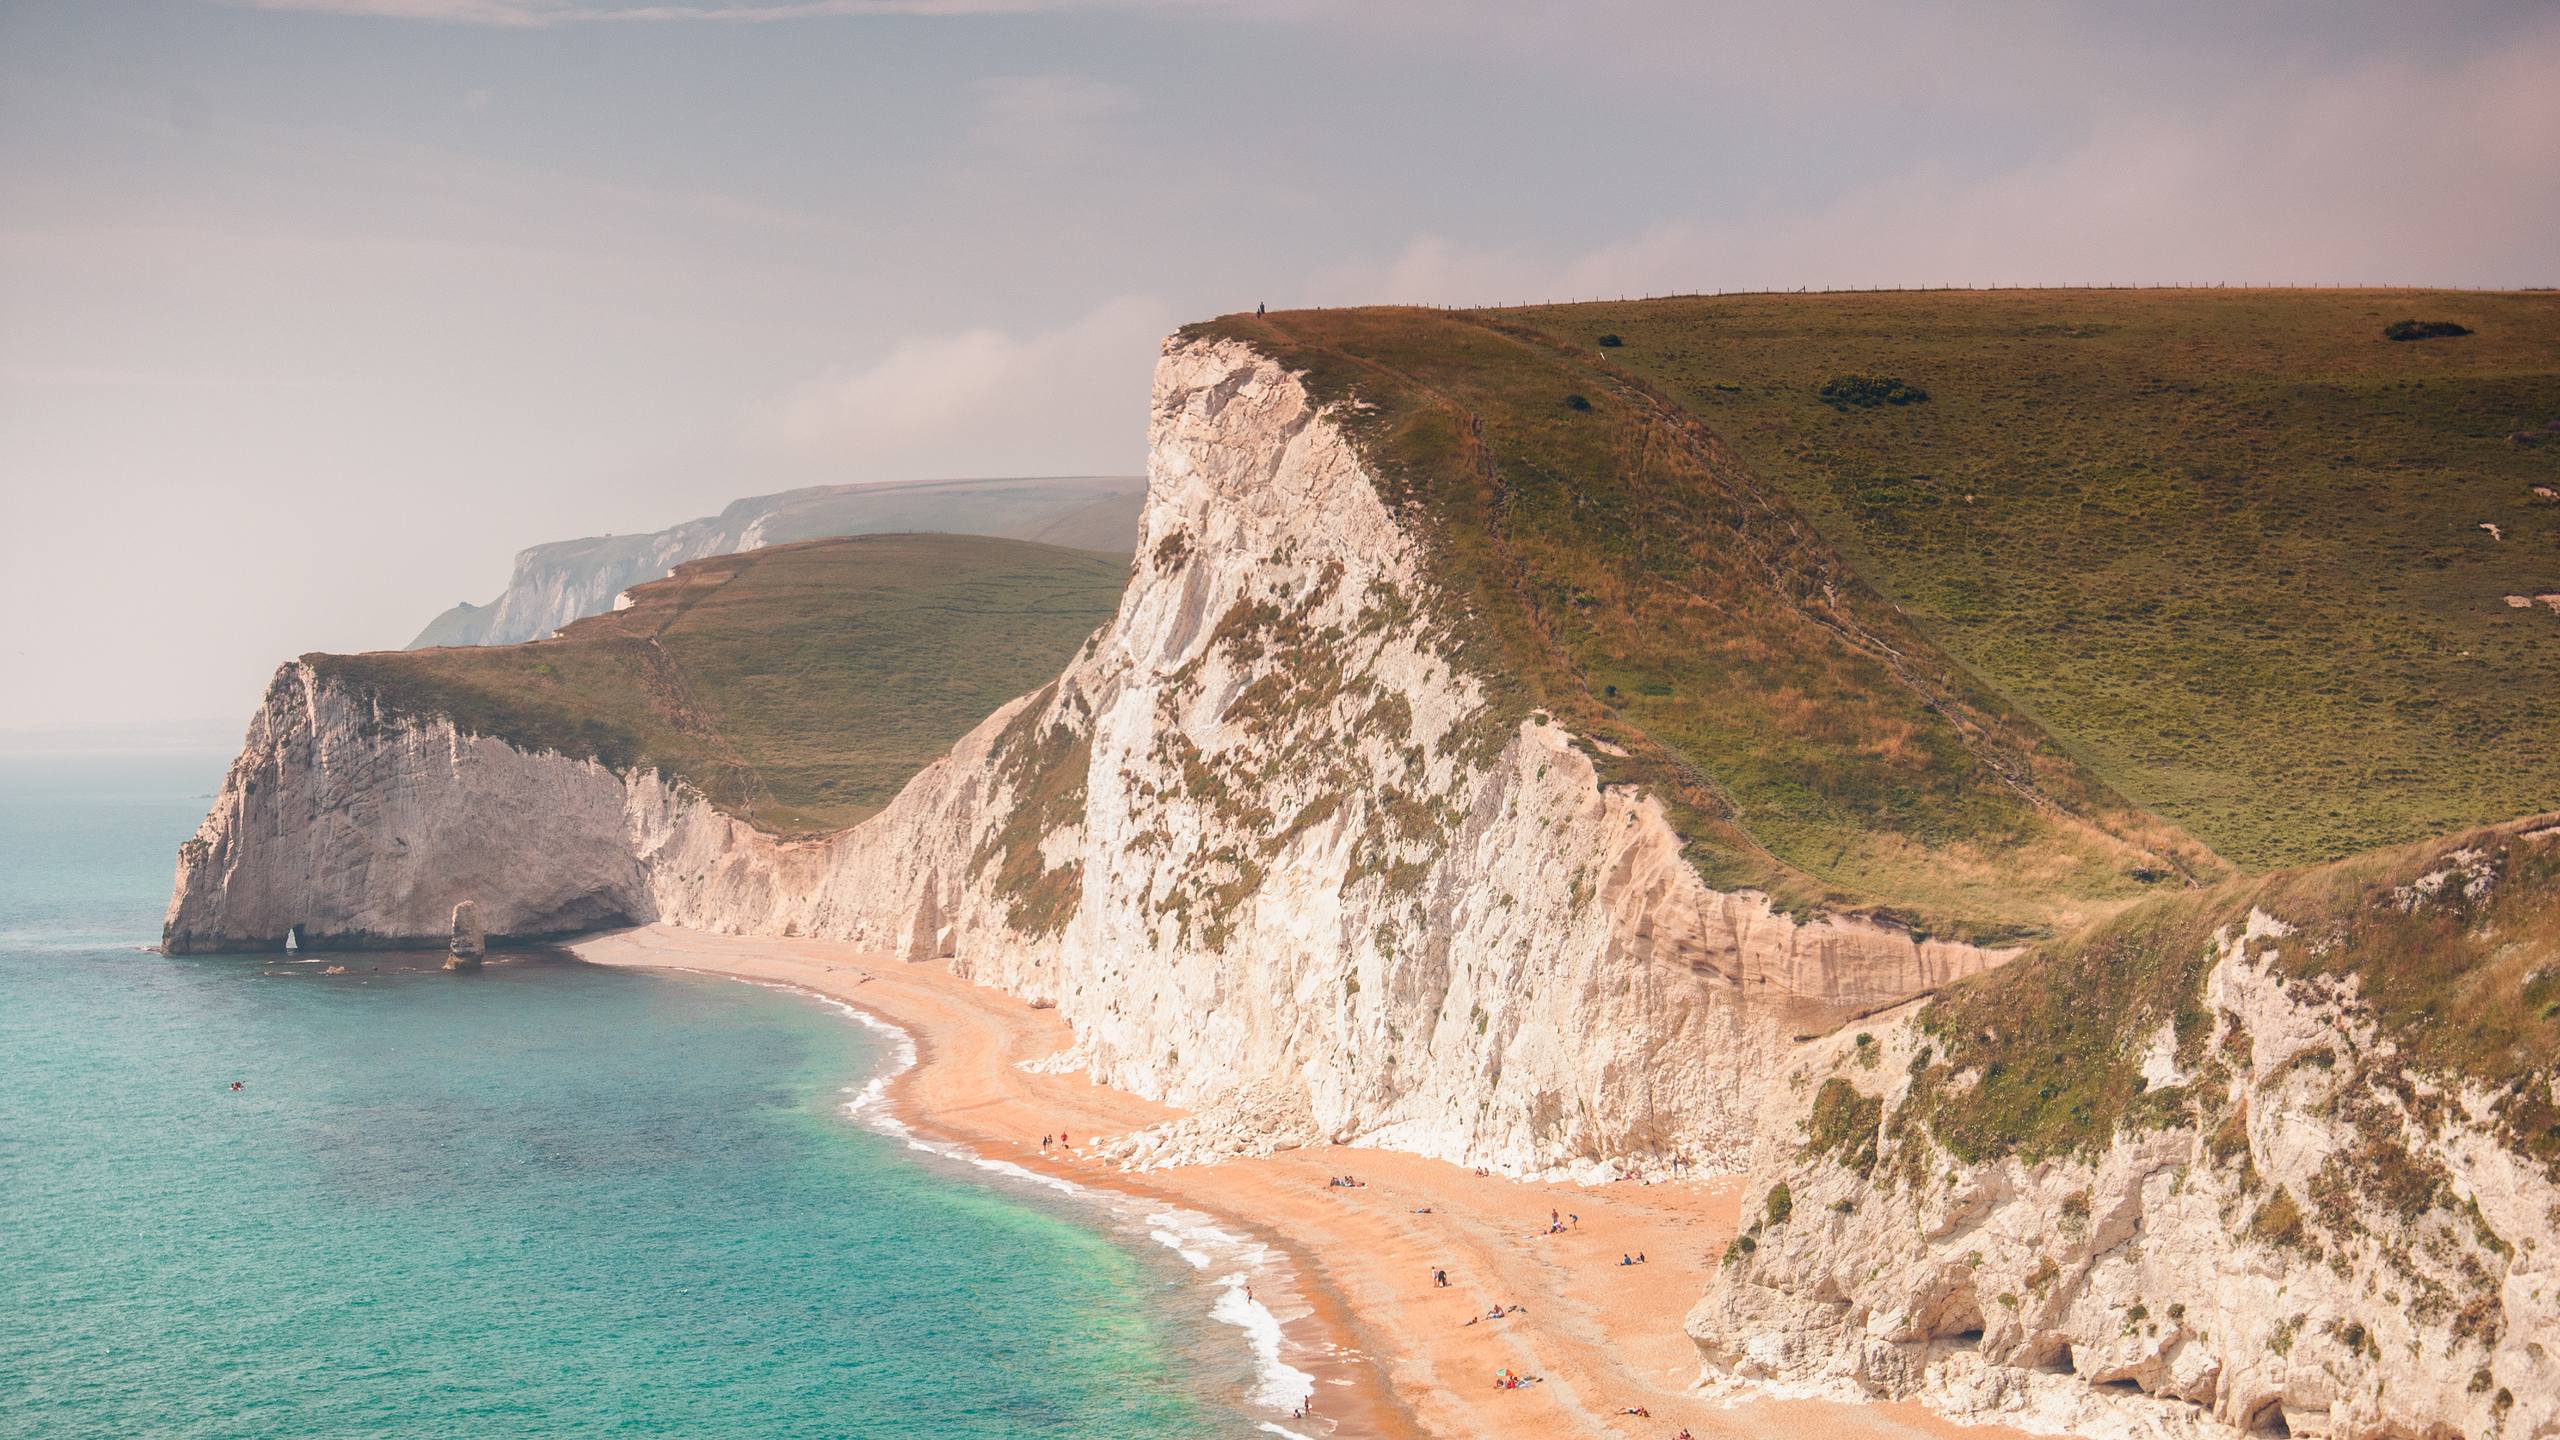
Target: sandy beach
1391, 1353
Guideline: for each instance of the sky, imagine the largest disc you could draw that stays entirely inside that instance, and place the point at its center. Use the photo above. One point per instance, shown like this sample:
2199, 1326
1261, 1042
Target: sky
313, 312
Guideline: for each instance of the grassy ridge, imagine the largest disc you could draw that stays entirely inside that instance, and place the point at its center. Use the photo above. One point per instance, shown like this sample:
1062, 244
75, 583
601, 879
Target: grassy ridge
798, 686
1617, 567
2225, 545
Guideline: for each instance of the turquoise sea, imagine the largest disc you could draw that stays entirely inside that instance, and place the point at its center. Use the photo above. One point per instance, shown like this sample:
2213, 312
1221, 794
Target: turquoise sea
548, 1200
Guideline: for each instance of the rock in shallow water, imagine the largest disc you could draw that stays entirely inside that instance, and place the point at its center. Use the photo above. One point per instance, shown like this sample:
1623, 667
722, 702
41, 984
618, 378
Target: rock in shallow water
469, 942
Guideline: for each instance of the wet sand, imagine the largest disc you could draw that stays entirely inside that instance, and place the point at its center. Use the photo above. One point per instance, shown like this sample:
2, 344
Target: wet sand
1392, 1354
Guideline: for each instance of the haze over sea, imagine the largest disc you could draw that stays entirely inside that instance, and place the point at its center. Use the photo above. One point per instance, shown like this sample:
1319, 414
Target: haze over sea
546, 1200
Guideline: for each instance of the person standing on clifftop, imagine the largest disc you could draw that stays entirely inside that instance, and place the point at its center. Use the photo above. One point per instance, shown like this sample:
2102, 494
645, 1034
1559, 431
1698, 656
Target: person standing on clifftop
1257, 309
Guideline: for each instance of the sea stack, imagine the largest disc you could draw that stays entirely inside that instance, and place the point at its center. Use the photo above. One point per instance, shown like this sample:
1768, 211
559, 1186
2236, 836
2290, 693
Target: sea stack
469, 941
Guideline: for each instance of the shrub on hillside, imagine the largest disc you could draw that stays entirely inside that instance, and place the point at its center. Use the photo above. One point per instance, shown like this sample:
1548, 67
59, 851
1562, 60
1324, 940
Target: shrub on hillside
1842, 391
1576, 402
1610, 342
2423, 330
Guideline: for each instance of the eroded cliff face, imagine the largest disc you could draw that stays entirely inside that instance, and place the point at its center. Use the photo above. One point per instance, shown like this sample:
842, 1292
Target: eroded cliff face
1268, 844
2297, 1230
348, 829
1330, 889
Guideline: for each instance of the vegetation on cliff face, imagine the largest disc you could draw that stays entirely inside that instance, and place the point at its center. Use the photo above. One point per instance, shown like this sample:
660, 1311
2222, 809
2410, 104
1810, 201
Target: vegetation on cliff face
1616, 567
2304, 1058
2246, 557
1041, 758
798, 687
2452, 949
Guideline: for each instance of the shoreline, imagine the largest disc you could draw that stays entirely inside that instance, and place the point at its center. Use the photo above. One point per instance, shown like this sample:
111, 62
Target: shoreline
1280, 1386
1315, 1342
1389, 1353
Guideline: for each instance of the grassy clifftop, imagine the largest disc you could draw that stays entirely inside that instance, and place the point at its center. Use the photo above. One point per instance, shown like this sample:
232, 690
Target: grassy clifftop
798, 686
1934, 601
2228, 546
1614, 564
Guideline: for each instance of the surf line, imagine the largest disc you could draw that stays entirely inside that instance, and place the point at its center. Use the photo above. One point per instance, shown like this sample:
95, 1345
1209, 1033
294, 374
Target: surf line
1234, 1266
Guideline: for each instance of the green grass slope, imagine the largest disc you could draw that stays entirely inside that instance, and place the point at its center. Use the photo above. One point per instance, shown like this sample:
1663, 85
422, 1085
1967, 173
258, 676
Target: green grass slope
1991, 607
798, 686
2226, 545
1611, 562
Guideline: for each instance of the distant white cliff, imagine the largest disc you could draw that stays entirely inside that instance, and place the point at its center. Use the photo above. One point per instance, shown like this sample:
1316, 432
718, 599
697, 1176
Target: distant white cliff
570, 579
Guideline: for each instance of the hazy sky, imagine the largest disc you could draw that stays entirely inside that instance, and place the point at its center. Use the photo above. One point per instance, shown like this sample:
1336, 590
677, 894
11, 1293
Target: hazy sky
312, 312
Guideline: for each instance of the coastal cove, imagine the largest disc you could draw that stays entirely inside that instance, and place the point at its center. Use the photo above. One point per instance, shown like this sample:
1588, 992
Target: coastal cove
1392, 1354
549, 1199
560, 1197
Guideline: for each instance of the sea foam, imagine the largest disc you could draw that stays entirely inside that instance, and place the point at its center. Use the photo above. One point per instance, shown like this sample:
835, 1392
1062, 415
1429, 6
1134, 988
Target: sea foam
1240, 1264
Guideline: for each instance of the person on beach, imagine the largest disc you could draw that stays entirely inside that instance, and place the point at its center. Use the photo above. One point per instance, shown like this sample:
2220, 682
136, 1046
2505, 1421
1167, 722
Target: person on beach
1574, 1220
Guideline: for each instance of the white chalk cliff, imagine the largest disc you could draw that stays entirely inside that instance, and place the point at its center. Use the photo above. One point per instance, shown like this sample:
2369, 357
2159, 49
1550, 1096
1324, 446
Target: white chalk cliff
2307, 1234
1264, 844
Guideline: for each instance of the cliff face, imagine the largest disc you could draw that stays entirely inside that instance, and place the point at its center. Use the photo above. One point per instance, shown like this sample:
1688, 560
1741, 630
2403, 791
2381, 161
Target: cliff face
1326, 888
356, 830
2299, 1222
1266, 843
570, 579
